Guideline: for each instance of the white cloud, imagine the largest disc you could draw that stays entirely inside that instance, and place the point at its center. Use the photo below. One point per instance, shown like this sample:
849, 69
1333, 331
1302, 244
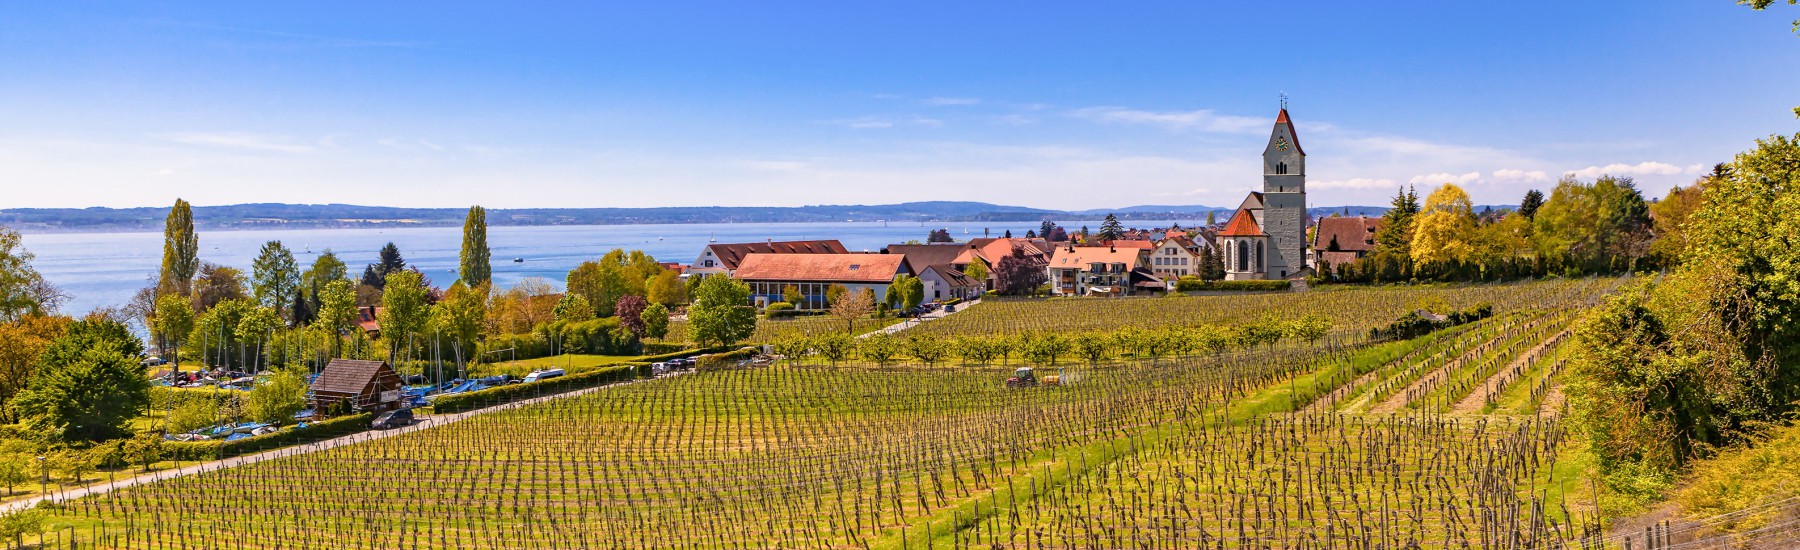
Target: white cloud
953, 101
1202, 119
1443, 177
1353, 183
881, 121
1511, 175
1649, 168
235, 140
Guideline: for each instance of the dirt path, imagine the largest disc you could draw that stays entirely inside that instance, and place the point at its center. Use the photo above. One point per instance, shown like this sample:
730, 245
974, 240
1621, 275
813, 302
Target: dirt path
352, 439
1478, 398
1398, 400
1553, 402
1330, 401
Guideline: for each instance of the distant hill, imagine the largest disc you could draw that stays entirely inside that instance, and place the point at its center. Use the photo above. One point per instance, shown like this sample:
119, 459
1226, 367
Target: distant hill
275, 215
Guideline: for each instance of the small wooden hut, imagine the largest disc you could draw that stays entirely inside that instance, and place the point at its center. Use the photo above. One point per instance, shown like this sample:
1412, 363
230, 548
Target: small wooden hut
367, 385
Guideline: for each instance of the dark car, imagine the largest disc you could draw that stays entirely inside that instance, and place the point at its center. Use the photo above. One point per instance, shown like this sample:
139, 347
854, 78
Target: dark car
392, 419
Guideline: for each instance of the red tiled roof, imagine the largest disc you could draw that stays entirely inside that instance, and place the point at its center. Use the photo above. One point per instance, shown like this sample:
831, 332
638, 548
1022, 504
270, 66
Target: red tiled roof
1243, 224
950, 275
1134, 244
730, 255
834, 268
992, 250
1353, 234
1337, 258
1079, 257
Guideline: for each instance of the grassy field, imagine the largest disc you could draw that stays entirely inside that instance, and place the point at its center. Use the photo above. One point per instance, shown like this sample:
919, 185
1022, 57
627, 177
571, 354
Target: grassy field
1299, 445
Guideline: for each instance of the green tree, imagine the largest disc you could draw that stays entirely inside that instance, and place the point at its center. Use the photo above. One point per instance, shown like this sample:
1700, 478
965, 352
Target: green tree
1534, 199
791, 294
572, 307
601, 282
656, 320
403, 313
475, 268
667, 289
324, 269
460, 316
915, 292
181, 250
879, 347
977, 270
15, 470
1670, 216
22, 290
273, 276
277, 398
257, 325
721, 313
216, 333
1111, 229
1393, 237
389, 261
88, 384
192, 414
337, 312
143, 450
1597, 227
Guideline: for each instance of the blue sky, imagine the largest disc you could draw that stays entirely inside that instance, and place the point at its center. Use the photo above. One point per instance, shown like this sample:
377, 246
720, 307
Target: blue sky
1069, 105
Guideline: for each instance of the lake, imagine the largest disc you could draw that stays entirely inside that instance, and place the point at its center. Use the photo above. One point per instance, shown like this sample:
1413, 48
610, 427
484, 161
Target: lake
105, 269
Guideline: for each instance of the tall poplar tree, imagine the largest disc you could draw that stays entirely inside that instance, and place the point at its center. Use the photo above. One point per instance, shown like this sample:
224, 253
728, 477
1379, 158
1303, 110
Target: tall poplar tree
475, 268
181, 250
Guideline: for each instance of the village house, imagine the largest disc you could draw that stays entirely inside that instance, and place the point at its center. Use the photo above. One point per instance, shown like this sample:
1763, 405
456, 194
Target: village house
1175, 258
991, 251
368, 386
724, 258
812, 274
1340, 240
1100, 271
943, 282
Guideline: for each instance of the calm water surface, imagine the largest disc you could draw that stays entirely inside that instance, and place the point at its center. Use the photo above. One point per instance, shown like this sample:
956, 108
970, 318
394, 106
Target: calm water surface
104, 269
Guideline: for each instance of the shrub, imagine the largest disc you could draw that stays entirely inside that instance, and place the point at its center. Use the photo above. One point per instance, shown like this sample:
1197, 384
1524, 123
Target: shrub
481, 398
1190, 284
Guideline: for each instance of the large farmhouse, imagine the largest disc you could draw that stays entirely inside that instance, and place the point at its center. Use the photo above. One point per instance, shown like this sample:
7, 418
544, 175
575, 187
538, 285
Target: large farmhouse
812, 274
724, 258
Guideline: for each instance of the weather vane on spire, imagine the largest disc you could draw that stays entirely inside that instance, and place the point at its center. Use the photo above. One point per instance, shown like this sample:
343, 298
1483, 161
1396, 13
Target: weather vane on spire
1284, 101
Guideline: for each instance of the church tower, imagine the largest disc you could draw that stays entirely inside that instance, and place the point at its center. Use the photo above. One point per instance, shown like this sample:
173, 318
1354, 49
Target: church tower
1284, 199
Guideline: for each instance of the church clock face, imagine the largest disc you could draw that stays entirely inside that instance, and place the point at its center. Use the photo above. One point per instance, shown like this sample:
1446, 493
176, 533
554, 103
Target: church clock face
1281, 144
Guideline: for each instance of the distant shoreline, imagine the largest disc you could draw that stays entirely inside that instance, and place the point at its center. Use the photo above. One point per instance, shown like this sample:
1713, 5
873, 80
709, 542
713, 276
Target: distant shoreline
270, 216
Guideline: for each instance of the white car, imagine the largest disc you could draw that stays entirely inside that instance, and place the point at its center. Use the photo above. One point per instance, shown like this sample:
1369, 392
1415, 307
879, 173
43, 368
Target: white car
538, 375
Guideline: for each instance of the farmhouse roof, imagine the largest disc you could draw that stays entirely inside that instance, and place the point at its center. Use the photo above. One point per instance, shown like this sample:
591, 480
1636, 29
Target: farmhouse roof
1080, 257
347, 376
951, 275
1136, 244
834, 268
1353, 234
731, 255
1243, 224
992, 250
921, 256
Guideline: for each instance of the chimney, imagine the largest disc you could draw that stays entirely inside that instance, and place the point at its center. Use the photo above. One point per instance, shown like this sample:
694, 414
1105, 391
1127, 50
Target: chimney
1110, 247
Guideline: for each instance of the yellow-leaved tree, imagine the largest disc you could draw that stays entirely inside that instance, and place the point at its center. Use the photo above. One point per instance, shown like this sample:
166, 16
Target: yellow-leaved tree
1444, 229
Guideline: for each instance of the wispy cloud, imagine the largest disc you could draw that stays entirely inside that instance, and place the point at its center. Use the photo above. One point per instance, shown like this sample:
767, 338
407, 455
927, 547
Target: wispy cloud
1649, 168
953, 101
235, 140
884, 121
1205, 120
1513, 175
1353, 183
1445, 177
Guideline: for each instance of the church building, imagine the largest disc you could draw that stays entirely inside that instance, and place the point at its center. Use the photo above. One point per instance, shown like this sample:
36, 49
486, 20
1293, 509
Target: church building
1266, 237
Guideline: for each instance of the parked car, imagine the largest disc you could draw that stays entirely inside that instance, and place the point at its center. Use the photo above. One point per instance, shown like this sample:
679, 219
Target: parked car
538, 375
392, 419
659, 369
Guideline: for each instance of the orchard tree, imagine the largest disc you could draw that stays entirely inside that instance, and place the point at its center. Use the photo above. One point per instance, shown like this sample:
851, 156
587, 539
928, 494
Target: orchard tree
854, 306
977, 270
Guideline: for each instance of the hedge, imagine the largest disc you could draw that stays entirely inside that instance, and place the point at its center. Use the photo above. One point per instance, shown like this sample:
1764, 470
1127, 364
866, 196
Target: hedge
480, 398
1191, 285
217, 449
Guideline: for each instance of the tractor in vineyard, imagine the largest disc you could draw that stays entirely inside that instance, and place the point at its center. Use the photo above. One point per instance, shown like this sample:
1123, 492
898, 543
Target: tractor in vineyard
1026, 377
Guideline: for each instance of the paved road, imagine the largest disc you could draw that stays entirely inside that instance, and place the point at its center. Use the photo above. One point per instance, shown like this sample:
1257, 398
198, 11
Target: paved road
909, 323
426, 423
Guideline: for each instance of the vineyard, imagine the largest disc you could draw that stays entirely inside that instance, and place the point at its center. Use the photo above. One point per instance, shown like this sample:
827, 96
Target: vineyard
1449, 440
